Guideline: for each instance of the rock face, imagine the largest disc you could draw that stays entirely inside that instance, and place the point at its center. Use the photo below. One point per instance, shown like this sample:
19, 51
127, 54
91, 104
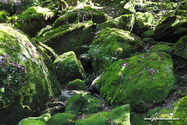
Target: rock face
111, 44
68, 68
134, 80
26, 82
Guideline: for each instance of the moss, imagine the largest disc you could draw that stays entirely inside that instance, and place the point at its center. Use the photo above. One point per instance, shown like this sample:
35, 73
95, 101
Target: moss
154, 111
164, 113
162, 48
119, 115
62, 119
180, 47
91, 104
125, 82
81, 15
143, 22
138, 120
170, 28
41, 120
112, 44
180, 112
74, 104
59, 32
32, 20
124, 22
76, 84
24, 72
166, 122
69, 68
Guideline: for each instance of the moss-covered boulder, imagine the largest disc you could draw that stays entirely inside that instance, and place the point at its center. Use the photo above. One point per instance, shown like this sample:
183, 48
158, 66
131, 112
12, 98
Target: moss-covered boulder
81, 15
180, 48
143, 22
125, 22
76, 84
68, 68
119, 115
171, 29
41, 120
33, 20
112, 44
180, 112
27, 76
139, 80
68, 37
62, 119
84, 104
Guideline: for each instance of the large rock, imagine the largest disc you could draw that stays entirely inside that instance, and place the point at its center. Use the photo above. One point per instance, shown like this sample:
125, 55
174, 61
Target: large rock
69, 68
171, 29
27, 76
81, 15
141, 80
68, 37
33, 20
112, 44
